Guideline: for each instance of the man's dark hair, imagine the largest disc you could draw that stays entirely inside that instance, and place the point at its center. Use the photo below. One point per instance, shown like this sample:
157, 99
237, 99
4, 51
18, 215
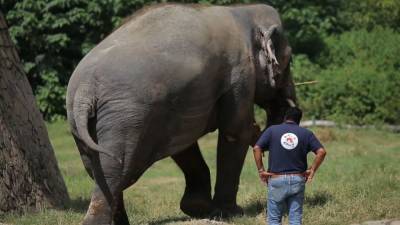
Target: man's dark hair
294, 114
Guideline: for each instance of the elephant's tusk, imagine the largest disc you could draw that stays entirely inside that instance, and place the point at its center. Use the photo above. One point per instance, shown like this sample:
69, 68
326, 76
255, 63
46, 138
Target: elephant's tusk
271, 53
271, 75
271, 60
291, 102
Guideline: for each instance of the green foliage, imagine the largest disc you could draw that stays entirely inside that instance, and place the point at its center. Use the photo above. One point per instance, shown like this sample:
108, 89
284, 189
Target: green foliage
370, 13
360, 83
49, 94
308, 22
307, 95
52, 36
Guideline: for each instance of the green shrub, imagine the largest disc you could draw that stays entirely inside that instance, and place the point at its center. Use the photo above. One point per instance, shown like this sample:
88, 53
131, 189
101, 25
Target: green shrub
359, 82
367, 14
307, 22
53, 35
307, 95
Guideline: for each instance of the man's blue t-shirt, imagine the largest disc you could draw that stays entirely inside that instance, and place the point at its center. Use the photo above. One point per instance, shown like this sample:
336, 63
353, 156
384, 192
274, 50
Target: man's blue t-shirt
288, 145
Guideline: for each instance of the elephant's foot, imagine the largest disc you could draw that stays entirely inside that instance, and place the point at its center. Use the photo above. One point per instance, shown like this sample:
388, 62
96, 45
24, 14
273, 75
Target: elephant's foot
196, 204
98, 213
102, 212
120, 216
120, 221
226, 211
196, 201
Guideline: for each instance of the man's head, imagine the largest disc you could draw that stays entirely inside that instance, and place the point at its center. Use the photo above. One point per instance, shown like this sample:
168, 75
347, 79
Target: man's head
293, 114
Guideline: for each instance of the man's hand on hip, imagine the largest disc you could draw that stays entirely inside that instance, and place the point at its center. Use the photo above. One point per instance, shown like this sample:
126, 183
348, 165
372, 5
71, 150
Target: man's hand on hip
264, 176
309, 174
320, 156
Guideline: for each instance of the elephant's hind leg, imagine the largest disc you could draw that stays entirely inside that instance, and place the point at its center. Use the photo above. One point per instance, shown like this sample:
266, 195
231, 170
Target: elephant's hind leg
120, 216
102, 212
106, 205
196, 200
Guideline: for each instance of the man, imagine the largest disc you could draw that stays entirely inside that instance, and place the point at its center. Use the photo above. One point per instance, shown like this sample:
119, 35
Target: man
288, 145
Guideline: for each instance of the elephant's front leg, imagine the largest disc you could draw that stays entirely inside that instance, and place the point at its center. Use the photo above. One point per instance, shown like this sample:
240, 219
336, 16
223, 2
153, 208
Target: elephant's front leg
235, 133
196, 200
230, 158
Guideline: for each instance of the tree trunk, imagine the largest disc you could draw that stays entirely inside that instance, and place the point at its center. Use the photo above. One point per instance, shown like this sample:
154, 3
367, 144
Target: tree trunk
29, 174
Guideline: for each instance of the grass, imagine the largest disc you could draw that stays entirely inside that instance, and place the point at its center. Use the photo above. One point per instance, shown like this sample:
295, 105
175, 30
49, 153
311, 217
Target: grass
359, 181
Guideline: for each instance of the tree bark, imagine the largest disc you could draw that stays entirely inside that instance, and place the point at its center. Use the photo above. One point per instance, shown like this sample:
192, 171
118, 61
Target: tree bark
29, 174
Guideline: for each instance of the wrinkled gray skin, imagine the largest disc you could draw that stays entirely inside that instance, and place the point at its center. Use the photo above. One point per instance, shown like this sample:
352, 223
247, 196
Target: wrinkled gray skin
169, 75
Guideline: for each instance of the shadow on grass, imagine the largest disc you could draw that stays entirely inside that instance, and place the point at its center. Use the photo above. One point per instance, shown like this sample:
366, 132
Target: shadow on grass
78, 205
320, 198
170, 220
254, 208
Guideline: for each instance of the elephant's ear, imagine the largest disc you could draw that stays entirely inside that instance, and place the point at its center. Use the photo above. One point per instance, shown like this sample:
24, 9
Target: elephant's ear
266, 55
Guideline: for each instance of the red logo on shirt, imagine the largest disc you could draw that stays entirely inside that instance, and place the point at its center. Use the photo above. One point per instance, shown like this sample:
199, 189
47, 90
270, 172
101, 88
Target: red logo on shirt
289, 141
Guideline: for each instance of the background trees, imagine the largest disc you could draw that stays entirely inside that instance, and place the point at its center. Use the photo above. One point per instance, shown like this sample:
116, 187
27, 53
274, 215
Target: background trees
332, 41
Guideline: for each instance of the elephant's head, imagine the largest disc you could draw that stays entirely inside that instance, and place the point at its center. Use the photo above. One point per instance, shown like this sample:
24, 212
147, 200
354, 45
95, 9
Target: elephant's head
275, 91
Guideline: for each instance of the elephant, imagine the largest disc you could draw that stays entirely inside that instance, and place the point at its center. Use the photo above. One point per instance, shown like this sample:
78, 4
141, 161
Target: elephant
168, 75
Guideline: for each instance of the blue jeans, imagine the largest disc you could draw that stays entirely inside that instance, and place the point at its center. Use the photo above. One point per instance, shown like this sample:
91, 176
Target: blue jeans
285, 192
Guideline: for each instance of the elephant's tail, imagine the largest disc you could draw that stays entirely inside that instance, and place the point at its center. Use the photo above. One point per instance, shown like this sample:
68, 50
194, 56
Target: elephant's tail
83, 106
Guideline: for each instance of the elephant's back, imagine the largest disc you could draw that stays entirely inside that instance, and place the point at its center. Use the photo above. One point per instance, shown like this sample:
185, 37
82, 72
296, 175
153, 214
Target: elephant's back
171, 48
174, 29
161, 54
174, 23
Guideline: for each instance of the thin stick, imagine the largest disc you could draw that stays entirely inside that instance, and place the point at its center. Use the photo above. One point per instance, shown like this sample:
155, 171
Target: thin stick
306, 82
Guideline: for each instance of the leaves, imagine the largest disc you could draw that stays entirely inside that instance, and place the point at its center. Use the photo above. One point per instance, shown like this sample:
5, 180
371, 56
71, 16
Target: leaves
53, 35
361, 80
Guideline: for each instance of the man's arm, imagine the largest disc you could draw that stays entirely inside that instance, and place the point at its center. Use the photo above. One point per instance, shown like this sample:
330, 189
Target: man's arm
263, 142
319, 158
258, 154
